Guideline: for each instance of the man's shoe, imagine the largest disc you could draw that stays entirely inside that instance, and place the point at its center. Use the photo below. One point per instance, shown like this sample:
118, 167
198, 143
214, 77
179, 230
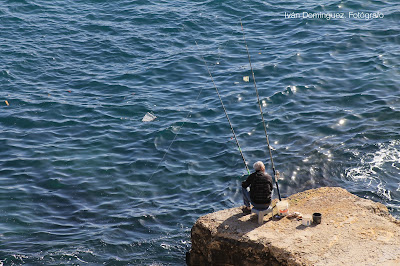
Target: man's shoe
246, 210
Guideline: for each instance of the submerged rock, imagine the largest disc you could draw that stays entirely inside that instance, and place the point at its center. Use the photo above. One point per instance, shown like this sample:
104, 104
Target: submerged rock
353, 231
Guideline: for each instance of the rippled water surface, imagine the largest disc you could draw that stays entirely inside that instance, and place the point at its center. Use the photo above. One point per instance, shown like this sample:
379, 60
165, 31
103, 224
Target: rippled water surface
85, 181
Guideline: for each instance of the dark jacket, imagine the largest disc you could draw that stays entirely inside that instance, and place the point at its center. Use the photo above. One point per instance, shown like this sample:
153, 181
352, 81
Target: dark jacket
260, 187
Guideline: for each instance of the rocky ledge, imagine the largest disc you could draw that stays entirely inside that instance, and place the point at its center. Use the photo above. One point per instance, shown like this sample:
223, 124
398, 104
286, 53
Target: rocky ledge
353, 231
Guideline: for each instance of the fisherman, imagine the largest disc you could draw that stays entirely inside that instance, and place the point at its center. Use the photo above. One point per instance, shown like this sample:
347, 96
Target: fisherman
260, 189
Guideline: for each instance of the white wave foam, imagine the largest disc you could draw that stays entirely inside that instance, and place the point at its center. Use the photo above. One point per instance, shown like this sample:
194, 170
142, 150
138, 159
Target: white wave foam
386, 159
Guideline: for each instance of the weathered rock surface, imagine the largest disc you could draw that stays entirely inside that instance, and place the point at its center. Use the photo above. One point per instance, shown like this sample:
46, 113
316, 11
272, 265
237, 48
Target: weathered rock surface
353, 231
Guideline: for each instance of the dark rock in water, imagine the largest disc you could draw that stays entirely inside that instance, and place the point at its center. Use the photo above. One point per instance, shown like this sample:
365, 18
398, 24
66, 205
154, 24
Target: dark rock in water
353, 231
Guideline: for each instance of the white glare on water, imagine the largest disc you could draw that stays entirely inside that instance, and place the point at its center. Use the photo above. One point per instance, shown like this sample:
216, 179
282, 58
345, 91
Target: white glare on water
342, 121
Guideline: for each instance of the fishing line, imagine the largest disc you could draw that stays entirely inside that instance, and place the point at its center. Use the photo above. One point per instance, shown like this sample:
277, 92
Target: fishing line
226, 114
187, 117
262, 115
183, 123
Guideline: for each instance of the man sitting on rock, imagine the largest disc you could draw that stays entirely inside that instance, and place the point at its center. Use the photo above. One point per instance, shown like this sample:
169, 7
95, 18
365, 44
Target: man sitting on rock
260, 189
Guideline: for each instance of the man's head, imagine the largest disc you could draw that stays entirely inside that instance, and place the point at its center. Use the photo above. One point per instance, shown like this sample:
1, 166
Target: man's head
259, 166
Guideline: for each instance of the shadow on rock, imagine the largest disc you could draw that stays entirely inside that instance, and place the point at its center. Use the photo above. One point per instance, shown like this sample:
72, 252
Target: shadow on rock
241, 223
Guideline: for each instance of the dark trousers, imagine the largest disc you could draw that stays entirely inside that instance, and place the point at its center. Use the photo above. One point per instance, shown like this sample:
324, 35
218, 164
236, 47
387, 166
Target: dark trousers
247, 201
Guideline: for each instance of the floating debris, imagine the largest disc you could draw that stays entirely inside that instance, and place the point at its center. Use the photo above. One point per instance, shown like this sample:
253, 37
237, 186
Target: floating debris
149, 117
7, 103
246, 79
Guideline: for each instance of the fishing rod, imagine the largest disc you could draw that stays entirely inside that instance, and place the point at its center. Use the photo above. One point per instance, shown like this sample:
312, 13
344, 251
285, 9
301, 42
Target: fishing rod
262, 115
226, 114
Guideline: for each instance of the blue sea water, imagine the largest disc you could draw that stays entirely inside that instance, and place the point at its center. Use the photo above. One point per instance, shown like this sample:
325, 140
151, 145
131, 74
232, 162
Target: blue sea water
84, 181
